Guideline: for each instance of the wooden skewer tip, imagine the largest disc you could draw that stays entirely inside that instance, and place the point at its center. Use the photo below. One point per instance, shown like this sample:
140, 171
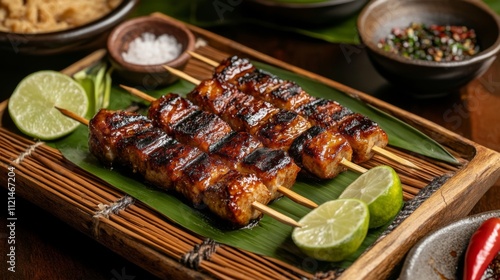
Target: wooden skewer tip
182, 75
72, 115
275, 214
353, 166
297, 198
203, 58
395, 157
138, 93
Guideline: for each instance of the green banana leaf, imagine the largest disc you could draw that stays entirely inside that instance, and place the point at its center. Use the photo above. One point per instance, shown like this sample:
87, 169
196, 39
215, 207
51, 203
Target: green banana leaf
298, 1
204, 14
267, 237
207, 14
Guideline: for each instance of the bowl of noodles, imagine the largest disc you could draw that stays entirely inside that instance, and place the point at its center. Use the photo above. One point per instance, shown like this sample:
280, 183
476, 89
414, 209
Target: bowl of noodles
44, 27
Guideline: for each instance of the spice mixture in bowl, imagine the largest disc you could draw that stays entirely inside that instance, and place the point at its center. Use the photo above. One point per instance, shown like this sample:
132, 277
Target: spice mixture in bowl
138, 49
430, 48
432, 43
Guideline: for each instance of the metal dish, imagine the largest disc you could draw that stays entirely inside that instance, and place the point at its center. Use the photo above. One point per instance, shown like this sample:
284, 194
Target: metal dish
439, 254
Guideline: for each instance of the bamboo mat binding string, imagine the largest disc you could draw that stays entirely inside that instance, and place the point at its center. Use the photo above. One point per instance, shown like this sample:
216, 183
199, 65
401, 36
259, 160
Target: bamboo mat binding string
105, 206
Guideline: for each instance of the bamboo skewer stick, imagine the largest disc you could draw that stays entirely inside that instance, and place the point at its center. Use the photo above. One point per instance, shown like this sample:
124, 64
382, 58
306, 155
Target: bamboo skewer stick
195, 81
259, 206
73, 116
285, 191
376, 149
353, 166
204, 59
394, 157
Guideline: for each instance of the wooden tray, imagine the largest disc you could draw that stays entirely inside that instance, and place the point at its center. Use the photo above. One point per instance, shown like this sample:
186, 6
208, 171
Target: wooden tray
111, 217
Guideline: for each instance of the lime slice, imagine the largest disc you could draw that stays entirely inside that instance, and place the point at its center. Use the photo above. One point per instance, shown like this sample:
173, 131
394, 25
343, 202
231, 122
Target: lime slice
334, 230
380, 188
31, 105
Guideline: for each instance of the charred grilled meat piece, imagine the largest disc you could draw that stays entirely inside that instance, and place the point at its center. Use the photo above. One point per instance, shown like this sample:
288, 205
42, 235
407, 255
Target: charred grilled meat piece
211, 134
235, 148
282, 129
361, 132
273, 166
320, 152
274, 127
168, 110
232, 197
130, 140
283, 94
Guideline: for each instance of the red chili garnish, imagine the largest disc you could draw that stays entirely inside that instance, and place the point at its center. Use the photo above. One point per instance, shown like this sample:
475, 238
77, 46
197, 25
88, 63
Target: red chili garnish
483, 246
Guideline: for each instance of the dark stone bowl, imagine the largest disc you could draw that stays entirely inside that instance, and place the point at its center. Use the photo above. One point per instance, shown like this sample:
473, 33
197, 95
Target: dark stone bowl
86, 37
429, 78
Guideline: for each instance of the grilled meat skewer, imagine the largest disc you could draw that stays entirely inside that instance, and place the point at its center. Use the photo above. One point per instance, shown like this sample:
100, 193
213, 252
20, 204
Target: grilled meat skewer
317, 150
361, 132
239, 150
131, 140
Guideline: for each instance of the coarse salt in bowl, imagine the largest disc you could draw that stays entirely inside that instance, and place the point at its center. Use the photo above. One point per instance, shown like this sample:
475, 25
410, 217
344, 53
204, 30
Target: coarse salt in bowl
139, 47
149, 49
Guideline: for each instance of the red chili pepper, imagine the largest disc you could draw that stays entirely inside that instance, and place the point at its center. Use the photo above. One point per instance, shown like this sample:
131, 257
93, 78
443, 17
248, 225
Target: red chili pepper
483, 246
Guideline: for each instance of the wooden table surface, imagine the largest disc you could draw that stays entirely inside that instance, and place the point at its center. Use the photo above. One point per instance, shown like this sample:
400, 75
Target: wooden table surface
49, 249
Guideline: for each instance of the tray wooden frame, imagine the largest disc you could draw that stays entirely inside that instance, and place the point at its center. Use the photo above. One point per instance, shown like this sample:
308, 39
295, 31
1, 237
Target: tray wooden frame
453, 200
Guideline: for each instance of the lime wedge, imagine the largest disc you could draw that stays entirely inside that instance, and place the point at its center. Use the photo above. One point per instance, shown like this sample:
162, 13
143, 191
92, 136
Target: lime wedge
31, 105
380, 188
334, 230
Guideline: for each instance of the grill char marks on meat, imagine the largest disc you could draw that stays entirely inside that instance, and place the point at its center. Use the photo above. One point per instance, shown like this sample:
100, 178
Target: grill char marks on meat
238, 150
274, 127
290, 96
321, 151
132, 141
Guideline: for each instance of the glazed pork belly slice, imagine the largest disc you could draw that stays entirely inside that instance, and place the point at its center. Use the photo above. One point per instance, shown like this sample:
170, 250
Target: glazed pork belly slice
361, 132
275, 128
321, 151
233, 195
132, 141
211, 134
